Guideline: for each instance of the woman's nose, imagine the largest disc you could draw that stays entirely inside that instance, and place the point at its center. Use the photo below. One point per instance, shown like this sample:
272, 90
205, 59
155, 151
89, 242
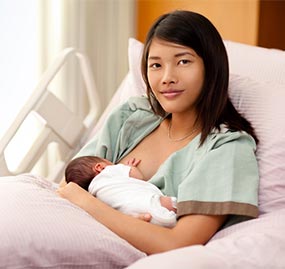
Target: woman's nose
169, 76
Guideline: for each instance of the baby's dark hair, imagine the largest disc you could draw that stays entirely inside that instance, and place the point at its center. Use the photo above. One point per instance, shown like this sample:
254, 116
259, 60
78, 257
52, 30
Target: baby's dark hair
80, 170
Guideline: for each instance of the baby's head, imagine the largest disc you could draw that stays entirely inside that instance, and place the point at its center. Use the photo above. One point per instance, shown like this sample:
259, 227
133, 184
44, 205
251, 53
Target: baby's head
83, 169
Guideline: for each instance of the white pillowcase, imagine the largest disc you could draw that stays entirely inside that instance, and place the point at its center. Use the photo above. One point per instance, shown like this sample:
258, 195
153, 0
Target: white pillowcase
133, 84
261, 102
260, 64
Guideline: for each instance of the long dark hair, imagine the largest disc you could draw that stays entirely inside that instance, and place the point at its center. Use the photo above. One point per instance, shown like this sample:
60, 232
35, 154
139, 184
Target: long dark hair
213, 105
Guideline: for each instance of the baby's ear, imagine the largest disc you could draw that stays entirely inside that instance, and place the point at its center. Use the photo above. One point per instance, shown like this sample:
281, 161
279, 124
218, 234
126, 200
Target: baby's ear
98, 167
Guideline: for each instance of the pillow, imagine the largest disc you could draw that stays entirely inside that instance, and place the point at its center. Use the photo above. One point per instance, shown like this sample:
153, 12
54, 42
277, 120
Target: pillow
261, 102
260, 64
38, 229
133, 84
254, 244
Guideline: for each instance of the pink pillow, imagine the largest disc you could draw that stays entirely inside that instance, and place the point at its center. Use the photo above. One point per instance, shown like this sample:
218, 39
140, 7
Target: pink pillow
260, 64
260, 101
39, 229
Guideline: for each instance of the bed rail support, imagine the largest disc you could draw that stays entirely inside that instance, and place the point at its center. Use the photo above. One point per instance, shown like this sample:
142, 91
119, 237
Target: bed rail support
61, 125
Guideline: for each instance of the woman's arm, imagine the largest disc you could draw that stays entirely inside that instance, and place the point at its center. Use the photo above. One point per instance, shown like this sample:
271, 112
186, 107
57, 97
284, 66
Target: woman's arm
62, 183
147, 237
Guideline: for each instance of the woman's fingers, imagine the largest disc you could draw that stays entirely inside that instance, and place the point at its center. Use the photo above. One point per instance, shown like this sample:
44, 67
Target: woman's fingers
145, 217
72, 192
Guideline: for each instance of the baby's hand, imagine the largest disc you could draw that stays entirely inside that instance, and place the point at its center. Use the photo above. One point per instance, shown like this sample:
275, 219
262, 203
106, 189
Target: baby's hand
135, 171
133, 162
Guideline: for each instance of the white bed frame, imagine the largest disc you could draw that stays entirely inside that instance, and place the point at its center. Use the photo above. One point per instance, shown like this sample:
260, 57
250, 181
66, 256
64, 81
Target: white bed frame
62, 126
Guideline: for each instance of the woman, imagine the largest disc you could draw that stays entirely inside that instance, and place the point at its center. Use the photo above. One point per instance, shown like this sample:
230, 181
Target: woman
196, 146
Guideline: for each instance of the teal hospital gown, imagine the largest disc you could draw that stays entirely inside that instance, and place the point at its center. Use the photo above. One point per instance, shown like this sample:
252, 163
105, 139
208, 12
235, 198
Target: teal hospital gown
218, 178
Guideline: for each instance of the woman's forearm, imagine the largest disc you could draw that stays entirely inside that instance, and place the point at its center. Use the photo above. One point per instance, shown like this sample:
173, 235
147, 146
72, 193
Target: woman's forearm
142, 235
151, 238
145, 236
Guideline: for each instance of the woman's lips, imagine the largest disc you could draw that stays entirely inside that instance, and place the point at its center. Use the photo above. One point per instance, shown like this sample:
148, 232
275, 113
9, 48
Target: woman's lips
171, 93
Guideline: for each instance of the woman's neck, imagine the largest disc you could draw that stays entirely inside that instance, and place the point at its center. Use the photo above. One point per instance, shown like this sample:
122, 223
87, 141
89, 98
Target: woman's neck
182, 125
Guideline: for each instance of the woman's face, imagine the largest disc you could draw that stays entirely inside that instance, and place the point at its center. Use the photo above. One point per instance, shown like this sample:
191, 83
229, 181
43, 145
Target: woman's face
176, 75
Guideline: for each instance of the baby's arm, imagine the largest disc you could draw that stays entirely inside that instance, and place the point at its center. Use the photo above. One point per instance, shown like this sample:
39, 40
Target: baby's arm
134, 171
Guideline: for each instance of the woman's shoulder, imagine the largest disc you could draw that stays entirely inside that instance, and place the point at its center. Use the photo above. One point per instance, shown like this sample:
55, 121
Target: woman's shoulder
136, 103
224, 135
134, 107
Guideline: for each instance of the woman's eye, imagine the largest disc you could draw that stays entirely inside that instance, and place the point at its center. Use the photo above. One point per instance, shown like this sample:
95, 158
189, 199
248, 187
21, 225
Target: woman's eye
154, 65
183, 62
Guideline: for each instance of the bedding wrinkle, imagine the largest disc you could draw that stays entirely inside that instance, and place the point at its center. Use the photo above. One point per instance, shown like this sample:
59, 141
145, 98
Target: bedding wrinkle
63, 235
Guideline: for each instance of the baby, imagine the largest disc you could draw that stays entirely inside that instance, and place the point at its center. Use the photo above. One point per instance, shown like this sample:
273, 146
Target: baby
122, 187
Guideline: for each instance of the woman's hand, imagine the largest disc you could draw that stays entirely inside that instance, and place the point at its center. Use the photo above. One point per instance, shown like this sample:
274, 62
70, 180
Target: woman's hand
74, 193
77, 195
149, 238
145, 217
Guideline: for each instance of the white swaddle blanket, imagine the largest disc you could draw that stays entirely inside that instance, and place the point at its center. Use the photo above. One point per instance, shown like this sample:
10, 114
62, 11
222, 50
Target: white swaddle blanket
131, 196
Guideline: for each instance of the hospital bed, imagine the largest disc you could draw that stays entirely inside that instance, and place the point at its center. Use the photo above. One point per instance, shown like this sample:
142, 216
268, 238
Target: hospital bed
61, 125
41, 230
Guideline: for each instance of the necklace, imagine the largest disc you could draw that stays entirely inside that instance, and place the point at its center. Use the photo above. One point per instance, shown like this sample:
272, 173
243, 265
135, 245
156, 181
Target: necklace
181, 138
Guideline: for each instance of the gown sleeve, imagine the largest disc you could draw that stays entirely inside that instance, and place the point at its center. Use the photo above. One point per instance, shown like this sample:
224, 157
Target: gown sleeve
219, 177
224, 179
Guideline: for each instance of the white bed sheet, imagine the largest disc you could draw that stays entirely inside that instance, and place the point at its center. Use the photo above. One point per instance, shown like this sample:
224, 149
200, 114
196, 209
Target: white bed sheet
255, 244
